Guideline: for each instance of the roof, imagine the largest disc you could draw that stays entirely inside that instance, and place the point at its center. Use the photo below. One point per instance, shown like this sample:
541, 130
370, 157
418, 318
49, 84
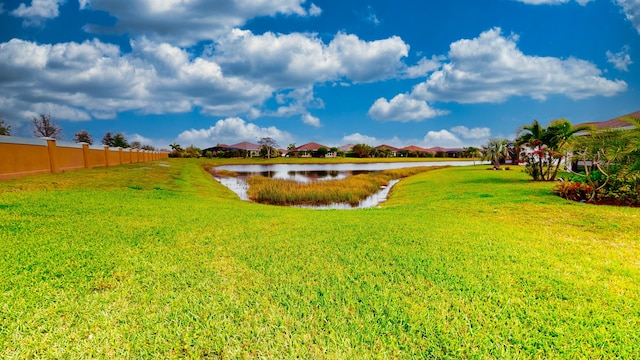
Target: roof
414, 148
392, 148
346, 148
311, 146
245, 146
615, 123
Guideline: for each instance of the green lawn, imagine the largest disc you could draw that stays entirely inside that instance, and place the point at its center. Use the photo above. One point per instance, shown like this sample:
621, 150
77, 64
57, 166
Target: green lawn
156, 261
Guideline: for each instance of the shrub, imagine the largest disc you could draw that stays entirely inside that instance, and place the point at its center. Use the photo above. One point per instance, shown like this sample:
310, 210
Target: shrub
575, 191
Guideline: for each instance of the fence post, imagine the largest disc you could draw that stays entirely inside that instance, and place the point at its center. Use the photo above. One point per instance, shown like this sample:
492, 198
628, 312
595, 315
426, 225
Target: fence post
85, 154
53, 154
120, 155
106, 155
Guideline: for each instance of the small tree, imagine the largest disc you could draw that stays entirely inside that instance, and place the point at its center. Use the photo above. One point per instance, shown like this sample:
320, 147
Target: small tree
322, 152
83, 136
148, 147
120, 141
611, 160
473, 153
5, 129
107, 139
192, 152
43, 126
544, 148
268, 143
136, 145
496, 150
362, 150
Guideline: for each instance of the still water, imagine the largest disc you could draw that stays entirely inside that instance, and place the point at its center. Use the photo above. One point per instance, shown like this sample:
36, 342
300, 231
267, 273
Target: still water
305, 173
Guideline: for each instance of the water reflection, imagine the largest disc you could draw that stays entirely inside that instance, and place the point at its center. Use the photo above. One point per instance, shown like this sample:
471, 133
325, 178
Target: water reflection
305, 173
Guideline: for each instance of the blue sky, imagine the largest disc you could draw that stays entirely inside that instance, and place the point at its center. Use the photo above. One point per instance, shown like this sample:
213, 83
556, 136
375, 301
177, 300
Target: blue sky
415, 72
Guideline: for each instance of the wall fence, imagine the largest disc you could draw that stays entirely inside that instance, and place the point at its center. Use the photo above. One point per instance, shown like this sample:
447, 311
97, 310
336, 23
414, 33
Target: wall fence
25, 156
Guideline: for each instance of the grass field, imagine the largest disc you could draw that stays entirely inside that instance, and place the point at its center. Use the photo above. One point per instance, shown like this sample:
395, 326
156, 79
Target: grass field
158, 260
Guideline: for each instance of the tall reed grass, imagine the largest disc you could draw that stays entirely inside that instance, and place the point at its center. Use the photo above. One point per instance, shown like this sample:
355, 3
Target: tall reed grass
351, 190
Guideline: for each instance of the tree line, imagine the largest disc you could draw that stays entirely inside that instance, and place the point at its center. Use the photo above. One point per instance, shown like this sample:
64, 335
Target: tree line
44, 126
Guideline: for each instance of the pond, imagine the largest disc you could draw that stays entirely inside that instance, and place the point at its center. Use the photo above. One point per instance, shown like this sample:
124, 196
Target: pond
320, 172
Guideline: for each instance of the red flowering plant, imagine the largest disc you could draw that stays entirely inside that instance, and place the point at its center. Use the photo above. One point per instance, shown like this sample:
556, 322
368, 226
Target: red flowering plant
543, 148
541, 162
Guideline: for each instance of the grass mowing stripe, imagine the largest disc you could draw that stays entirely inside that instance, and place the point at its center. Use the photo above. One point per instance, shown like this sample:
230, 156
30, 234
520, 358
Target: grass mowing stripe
162, 261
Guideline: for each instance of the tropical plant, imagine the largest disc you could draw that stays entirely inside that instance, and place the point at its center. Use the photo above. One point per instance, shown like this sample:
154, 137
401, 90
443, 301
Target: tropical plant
473, 153
362, 150
83, 136
542, 149
496, 150
611, 161
44, 126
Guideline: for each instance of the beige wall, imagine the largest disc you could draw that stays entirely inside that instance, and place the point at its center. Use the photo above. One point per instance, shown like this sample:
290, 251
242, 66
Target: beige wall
25, 156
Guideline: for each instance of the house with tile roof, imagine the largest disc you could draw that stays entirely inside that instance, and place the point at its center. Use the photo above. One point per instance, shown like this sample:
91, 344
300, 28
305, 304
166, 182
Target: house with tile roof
618, 123
252, 150
309, 149
393, 151
615, 123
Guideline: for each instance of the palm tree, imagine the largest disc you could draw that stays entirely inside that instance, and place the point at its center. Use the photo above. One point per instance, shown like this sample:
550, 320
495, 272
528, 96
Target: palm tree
545, 146
495, 150
472, 152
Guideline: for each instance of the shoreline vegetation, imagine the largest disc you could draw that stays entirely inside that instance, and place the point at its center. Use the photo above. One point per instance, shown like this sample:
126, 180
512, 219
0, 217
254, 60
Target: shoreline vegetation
159, 260
351, 190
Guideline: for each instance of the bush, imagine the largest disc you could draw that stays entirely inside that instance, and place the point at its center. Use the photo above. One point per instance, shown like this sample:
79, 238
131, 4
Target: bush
575, 191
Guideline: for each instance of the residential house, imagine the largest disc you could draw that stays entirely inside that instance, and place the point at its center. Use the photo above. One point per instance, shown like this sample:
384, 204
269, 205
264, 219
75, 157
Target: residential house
413, 151
391, 150
310, 149
252, 150
615, 123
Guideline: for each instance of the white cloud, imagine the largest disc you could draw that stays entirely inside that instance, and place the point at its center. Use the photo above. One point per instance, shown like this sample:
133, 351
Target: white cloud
367, 61
491, 69
424, 67
229, 131
620, 60
358, 138
186, 22
402, 108
39, 11
631, 9
314, 10
475, 133
311, 120
95, 78
441, 138
297, 60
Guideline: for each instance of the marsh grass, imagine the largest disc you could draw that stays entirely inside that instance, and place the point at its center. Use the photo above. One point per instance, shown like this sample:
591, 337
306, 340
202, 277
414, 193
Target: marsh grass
458, 263
351, 190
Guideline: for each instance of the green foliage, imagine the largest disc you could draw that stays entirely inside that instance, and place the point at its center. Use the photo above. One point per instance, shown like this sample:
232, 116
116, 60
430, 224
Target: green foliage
544, 148
192, 152
5, 129
120, 141
269, 152
458, 263
268, 145
495, 150
362, 150
611, 160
